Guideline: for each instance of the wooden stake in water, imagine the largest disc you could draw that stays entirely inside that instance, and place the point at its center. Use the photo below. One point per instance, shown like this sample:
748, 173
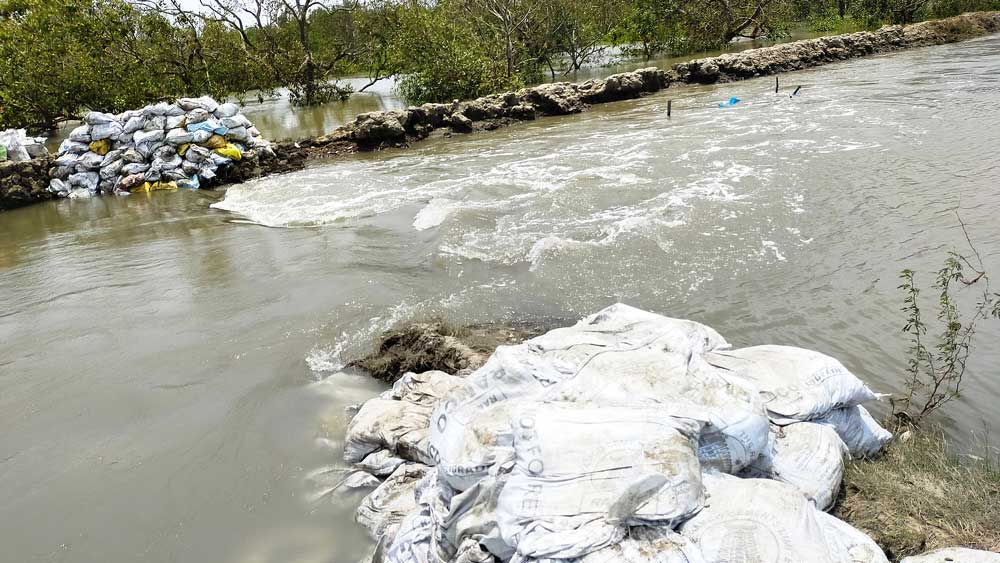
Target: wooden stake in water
775, 84
669, 103
796, 92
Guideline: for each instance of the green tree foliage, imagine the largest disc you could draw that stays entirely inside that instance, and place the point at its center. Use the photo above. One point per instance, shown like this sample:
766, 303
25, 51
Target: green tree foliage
60, 58
379, 31
442, 58
583, 29
57, 56
651, 27
849, 15
304, 45
712, 23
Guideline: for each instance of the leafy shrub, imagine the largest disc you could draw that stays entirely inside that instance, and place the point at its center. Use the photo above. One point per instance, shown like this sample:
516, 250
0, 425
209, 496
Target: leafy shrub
444, 61
936, 366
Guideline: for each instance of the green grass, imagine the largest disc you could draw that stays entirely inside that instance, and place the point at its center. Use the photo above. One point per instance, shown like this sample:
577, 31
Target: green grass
918, 496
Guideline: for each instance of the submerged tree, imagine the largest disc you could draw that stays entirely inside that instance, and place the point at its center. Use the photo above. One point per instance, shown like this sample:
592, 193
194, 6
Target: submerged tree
715, 22
441, 58
304, 44
582, 29
503, 23
649, 27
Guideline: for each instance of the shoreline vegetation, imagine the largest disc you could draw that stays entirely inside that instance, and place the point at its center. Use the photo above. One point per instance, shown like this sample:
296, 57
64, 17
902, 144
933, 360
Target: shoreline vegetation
21, 184
400, 128
916, 496
60, 60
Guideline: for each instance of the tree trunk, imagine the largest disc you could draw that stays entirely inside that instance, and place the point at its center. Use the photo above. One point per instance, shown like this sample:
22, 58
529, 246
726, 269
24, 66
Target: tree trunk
308, 67
510, 56
309, 78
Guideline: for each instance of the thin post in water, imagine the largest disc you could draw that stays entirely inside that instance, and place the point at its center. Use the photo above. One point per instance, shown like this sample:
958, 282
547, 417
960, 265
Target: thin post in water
796, 92
669, 104
776, 84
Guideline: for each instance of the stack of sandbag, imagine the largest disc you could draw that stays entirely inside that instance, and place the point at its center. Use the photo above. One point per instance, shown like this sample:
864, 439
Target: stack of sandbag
17, 146
161, 146
623, 437
814, 405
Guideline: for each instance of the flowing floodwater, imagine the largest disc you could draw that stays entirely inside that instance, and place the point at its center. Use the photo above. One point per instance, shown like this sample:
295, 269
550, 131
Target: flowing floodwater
277, 119
170, 384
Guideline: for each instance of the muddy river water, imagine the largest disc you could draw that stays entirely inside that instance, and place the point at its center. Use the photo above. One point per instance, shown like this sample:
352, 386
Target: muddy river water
170, 383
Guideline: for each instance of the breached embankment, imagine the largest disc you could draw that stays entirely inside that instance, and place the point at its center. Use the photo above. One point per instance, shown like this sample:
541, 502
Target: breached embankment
399, 128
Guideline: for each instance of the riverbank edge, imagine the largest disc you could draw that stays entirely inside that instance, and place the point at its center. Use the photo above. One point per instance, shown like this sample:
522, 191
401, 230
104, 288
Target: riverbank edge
400, 128
23, 183
916, 496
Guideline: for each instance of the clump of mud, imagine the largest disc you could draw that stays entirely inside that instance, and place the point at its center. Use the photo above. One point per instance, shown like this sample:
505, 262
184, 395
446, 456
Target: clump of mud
436, 344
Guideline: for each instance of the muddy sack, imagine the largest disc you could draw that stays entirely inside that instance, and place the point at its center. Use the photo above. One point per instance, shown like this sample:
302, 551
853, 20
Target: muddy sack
609, 441
678, 385
545, 367
808, 456
380, 464
17, 146
863, 436
81, 134
764, 521
582, 474
384, 508
796, 384
398, 421
151, 137
648, 545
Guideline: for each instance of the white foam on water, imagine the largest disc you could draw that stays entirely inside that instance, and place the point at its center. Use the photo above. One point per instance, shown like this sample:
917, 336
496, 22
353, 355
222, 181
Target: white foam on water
568, 190
329, 357
433, 214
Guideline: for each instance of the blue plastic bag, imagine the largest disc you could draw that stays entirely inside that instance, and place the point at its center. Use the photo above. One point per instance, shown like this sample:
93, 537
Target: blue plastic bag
210, 125
192, 183
732, 102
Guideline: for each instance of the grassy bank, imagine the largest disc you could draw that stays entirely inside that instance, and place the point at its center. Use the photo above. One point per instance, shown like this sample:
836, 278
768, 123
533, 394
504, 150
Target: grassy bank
918, 496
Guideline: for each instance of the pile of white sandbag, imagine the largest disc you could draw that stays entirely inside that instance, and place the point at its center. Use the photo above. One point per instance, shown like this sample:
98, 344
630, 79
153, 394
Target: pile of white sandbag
627, 437
161, 146
17, 146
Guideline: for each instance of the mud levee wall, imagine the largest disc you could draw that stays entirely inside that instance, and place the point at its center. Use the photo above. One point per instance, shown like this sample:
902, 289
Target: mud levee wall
21, 184
398, 128
815, 52
24, 182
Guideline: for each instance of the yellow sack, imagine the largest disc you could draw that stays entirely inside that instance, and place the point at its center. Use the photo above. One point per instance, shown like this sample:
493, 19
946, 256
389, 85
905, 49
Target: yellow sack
230, 151
100, 147
215, 142
147, 187
183, 148
165, 186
